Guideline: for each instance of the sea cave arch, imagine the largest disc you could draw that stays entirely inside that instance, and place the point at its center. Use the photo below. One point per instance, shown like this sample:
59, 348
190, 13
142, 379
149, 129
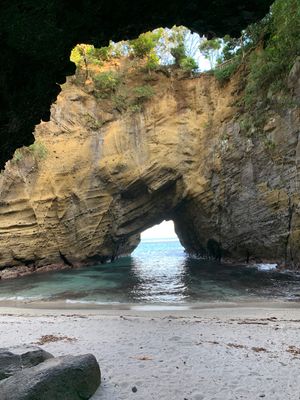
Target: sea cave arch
99, 174
96, 177
37, 38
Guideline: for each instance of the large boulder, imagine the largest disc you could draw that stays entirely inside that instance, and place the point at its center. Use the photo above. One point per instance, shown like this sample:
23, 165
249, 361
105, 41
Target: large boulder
17, 358
61, 378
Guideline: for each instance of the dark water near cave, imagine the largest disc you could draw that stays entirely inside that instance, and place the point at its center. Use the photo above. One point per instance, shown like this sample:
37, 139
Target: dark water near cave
157, 272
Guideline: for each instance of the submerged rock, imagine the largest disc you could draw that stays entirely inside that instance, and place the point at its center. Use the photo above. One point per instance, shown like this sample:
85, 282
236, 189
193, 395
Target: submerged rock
61, 378
17, 358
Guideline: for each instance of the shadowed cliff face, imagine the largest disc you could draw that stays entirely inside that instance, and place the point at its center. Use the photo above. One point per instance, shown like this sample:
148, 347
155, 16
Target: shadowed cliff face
37, 37
101, 172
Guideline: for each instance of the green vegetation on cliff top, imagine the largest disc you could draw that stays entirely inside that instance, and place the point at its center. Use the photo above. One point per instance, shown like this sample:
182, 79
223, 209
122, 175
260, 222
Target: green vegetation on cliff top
268, 50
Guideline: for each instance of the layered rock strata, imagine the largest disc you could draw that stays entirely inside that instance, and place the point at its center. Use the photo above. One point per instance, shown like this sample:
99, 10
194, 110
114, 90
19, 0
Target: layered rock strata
100, 173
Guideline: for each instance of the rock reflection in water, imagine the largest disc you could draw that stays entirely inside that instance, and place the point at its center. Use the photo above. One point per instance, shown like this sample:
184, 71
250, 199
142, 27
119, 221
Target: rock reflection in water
157, 273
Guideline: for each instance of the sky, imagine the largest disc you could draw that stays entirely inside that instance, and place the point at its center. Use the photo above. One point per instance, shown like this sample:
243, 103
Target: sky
163, 230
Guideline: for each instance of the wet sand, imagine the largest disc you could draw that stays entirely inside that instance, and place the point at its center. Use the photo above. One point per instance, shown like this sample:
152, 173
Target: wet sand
220, 353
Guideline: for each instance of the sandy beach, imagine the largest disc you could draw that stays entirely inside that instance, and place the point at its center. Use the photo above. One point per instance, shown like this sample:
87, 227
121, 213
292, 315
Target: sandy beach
206, 353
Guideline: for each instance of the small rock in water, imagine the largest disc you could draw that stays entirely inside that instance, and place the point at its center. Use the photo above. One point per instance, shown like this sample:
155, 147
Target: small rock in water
134, 389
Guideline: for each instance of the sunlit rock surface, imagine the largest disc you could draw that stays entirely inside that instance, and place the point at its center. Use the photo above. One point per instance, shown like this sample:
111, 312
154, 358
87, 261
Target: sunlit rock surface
99, 174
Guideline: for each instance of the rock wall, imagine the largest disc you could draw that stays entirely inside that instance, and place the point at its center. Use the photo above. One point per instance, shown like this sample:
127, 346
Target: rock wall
99, 175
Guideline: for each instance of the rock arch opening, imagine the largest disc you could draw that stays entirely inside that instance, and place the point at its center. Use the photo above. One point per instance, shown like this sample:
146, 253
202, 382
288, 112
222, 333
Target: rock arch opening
159, 265
164, 230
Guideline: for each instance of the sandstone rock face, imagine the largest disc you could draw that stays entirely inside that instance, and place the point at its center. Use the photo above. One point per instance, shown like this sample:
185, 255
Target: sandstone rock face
97, 176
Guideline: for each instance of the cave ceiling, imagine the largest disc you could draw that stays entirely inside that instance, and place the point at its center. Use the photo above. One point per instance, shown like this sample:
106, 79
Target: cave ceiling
37, 37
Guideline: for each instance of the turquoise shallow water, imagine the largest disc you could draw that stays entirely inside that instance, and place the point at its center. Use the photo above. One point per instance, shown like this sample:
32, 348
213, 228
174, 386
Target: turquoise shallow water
157, 272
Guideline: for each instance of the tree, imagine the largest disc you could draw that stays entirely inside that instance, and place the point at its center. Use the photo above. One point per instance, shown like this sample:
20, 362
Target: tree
211, 50
188, 64
145, 47
79, 56
152, 61
145, 44
178, 53
230, 48
179, 35
85, 54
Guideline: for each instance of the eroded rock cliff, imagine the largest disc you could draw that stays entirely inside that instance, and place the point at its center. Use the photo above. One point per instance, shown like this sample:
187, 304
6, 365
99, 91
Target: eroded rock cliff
104, 168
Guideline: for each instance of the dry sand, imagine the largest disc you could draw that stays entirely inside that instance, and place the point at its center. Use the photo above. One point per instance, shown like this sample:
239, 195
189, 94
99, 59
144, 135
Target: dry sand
212, 353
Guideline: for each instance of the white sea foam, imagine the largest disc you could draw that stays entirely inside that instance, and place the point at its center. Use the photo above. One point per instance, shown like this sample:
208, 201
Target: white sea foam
161, 307
20, 298
266, 267
69, 301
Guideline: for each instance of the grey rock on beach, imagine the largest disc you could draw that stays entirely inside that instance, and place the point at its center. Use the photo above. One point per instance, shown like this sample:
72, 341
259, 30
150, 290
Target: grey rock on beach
17, 358
62, 378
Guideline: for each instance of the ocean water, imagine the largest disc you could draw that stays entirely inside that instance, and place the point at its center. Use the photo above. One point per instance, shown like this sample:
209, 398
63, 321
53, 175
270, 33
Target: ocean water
158, 272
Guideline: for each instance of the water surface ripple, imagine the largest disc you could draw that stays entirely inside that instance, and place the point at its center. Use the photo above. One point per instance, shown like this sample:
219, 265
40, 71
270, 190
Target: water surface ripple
157, 272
